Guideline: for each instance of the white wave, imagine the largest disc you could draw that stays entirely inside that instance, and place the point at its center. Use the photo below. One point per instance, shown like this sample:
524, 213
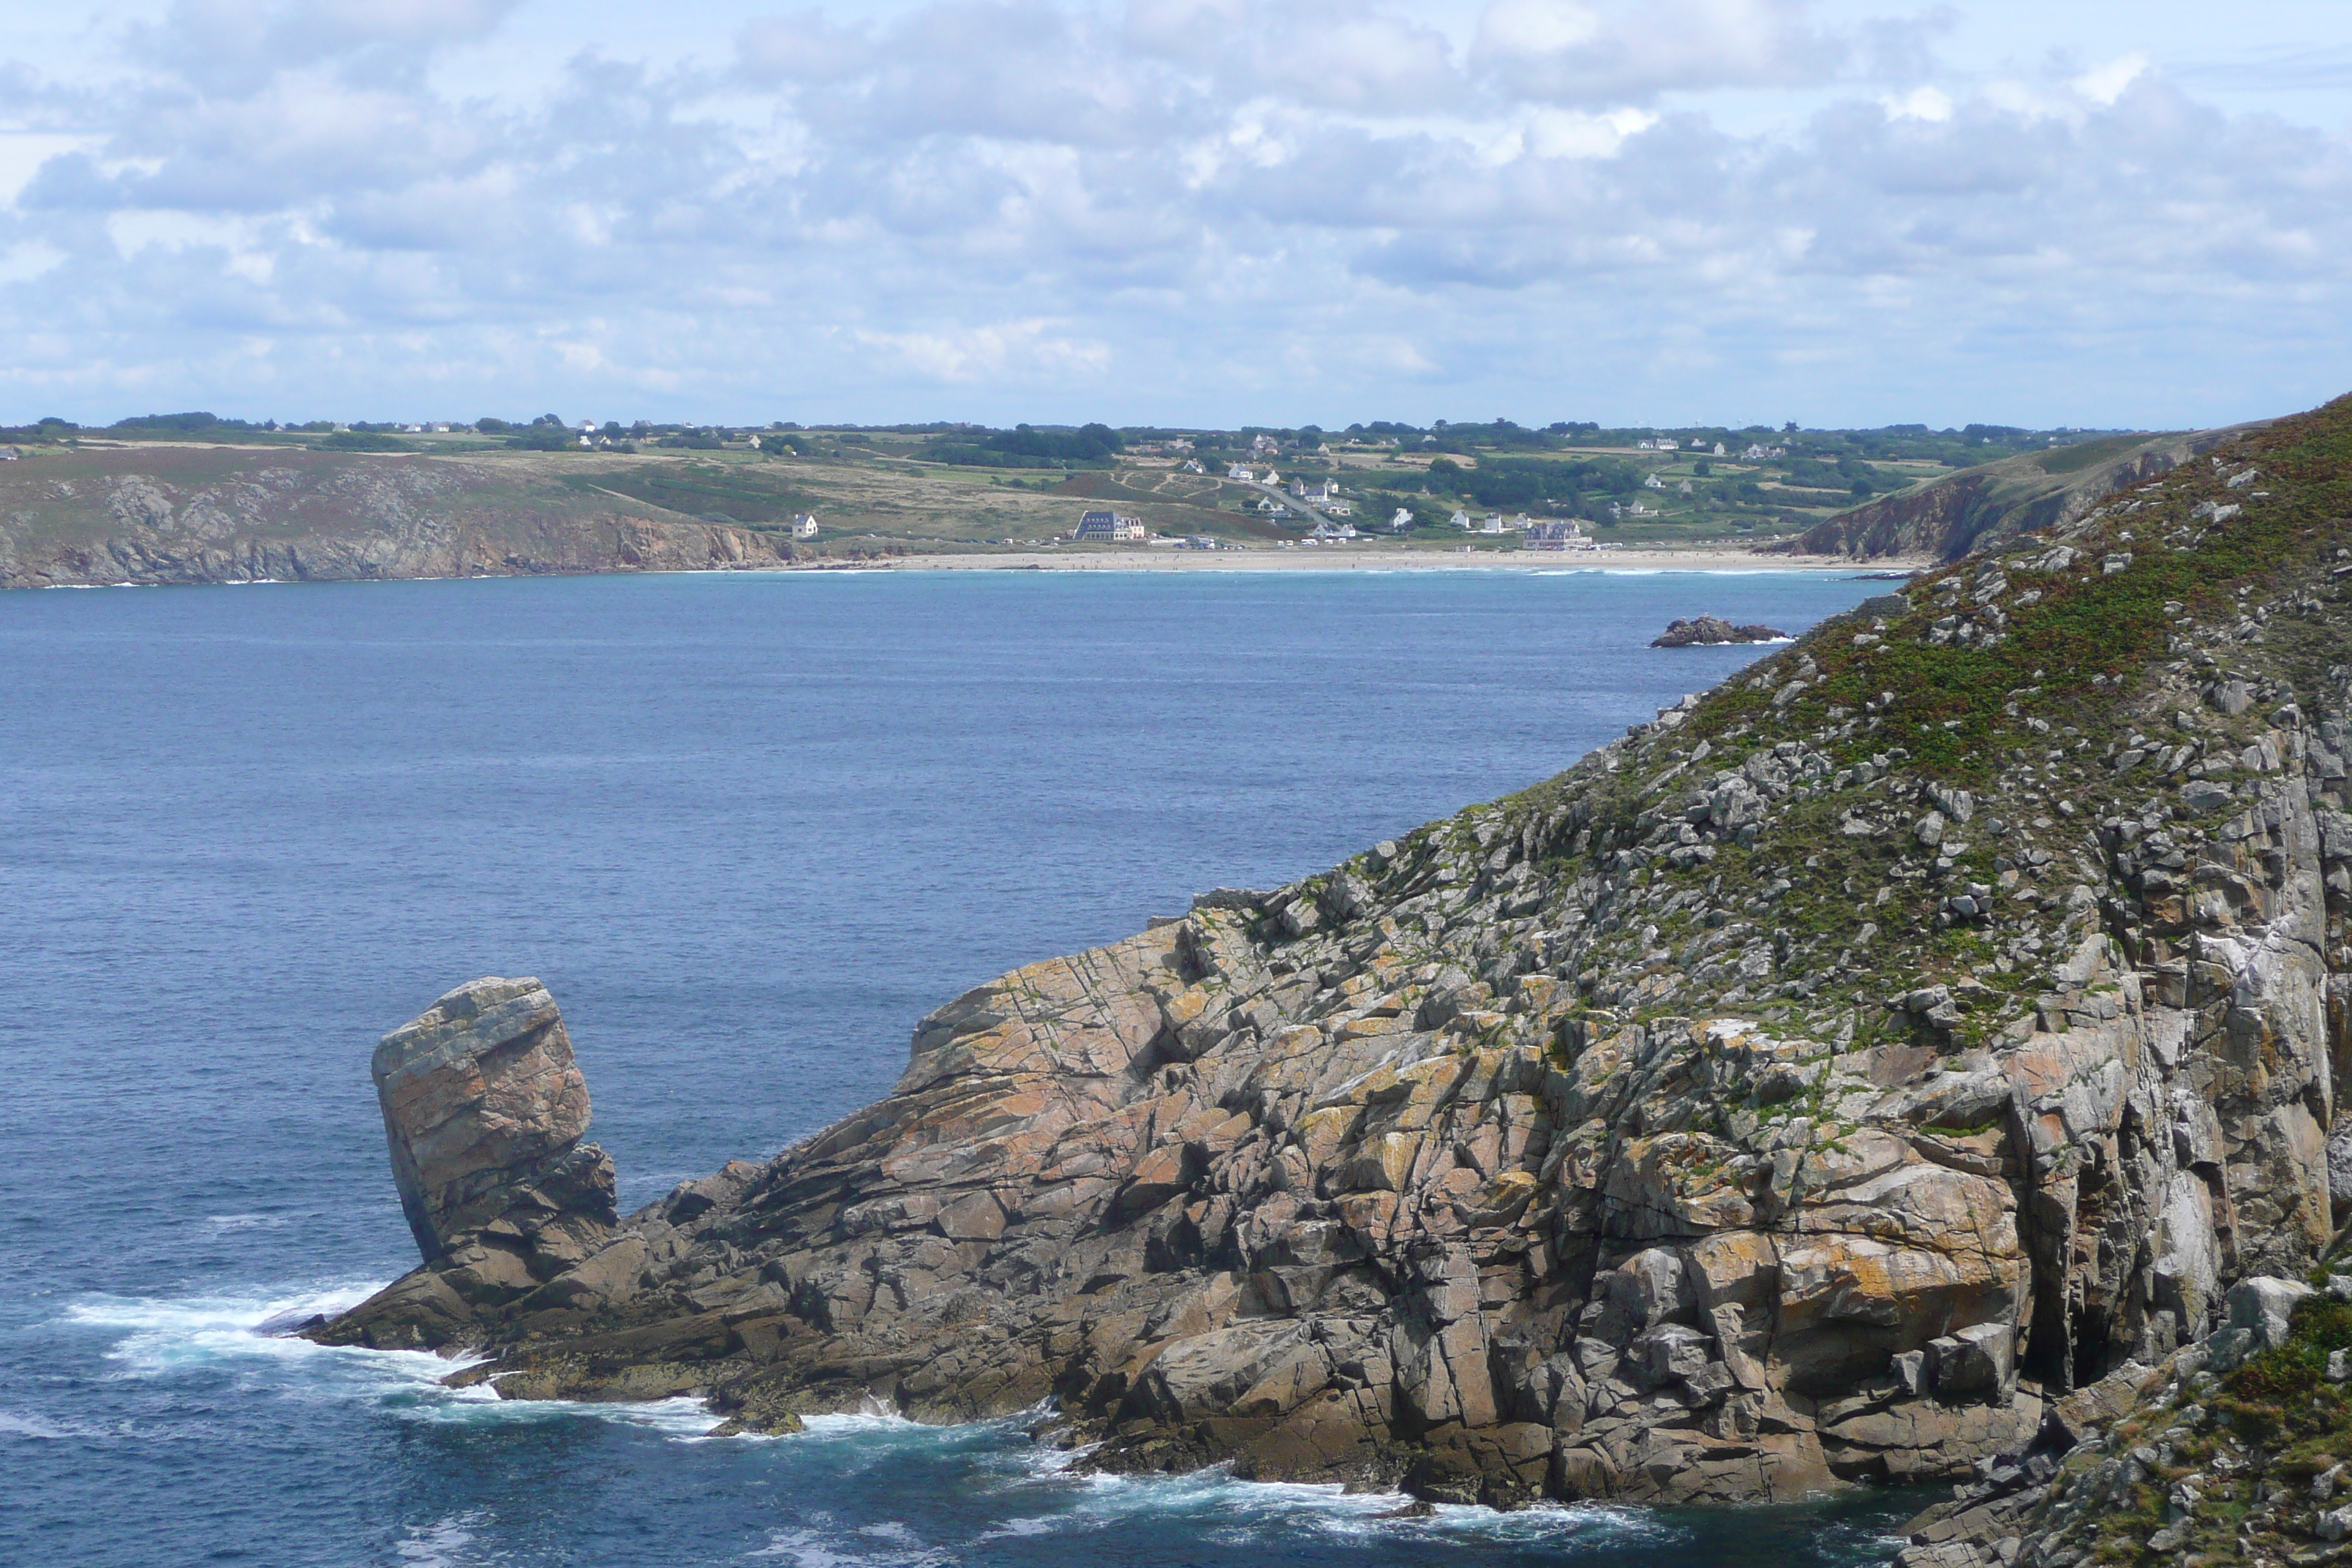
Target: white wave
25, 1427
437, 1545
821, 1544
166, 1338
228, 1222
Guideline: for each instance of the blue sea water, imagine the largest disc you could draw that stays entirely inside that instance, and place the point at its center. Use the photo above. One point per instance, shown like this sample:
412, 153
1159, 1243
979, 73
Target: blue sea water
748, 829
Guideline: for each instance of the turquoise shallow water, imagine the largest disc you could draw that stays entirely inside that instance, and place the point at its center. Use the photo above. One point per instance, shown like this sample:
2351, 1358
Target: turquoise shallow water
748, 829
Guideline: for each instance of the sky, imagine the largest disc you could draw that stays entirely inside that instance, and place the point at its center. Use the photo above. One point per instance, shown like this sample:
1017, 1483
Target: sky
2086, 212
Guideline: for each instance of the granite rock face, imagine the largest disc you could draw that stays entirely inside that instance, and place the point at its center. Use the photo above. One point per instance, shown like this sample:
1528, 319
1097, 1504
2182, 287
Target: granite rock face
484, 1109
1843, 1078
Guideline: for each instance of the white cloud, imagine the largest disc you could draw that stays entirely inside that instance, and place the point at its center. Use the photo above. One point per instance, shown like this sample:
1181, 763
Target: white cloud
966, 354
2105, 84
23, 153
1210, 209
1931, 103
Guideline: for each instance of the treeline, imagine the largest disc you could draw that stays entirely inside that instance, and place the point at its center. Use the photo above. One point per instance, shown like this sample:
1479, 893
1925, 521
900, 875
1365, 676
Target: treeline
1026, 446
1521, 484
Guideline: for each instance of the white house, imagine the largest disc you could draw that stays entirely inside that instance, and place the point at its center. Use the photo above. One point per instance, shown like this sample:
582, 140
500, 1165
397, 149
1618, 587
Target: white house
805, 526
1719, 448
1403, 519
1265, 444
1339, 508
1333, 530
1241, 472
1492, 525
1652, 482
1683, 488
1461, 519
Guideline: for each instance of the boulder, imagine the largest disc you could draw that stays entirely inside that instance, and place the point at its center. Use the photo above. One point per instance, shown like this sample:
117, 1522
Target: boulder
2265, 1307
1977, 1364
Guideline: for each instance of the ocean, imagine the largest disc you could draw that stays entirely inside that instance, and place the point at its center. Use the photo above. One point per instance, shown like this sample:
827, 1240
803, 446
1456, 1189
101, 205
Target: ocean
748, 828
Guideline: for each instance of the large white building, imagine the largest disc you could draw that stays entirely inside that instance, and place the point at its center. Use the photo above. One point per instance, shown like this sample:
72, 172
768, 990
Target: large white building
1553, 533
1110, 528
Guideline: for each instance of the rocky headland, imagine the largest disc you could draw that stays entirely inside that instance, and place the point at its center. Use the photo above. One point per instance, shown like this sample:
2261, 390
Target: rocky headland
147, 515
1912, 1061
1989, 505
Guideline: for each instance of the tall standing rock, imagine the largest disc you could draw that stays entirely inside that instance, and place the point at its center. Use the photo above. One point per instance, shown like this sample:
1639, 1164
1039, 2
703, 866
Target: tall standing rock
484, 1109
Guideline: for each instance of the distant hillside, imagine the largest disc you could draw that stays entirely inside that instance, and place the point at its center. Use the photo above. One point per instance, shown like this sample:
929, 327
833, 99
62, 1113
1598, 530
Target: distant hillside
1999, 501
215, 514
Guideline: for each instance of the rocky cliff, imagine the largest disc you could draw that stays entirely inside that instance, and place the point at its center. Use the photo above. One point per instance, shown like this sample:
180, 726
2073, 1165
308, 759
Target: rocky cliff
1989, 505
1828, 1081
183, 514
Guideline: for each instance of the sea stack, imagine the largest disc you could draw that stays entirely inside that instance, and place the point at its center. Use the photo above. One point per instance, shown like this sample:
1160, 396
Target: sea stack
484, 1110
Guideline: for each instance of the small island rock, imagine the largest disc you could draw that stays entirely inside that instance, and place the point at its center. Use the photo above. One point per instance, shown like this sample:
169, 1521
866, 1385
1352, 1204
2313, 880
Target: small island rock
1712, 630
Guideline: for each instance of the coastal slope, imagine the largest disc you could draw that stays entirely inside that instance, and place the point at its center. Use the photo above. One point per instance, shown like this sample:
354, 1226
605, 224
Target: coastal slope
1985, 506
1843, 1078
216, 514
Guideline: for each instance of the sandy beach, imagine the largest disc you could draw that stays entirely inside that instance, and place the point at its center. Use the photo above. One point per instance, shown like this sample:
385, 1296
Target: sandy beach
1330, 558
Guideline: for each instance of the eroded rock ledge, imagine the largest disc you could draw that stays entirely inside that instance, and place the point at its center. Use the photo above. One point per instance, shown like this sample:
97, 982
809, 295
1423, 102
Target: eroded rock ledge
1826, 1082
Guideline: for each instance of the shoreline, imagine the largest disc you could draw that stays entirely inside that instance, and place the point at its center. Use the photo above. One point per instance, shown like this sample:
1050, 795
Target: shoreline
1329, 558
1325, 560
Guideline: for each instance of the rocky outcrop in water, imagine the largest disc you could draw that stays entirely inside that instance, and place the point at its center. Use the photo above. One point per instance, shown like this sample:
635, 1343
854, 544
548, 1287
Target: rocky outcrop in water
1710, 630
1850, 1076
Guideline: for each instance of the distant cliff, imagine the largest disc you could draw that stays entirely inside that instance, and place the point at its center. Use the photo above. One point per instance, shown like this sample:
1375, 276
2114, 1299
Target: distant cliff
210, 515
1982, 506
